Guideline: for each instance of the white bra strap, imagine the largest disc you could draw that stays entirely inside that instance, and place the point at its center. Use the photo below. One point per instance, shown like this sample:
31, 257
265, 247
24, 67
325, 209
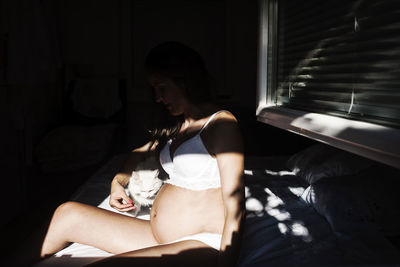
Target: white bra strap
209, 120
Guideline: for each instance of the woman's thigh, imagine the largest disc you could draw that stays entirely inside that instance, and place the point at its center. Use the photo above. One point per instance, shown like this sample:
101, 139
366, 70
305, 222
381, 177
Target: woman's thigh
191, 253
107, 230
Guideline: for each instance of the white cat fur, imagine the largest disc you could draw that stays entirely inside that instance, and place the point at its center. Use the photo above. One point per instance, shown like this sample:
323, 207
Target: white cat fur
144, 184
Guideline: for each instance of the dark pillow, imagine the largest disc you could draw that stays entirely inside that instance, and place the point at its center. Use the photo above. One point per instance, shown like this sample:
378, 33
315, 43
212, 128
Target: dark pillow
354, 203
320, 160
70, 148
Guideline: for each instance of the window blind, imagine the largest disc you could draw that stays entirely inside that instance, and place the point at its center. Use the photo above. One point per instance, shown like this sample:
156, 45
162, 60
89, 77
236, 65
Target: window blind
340, 58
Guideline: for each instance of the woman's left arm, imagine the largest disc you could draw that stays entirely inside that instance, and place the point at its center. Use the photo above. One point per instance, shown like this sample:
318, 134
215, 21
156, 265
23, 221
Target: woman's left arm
228, 149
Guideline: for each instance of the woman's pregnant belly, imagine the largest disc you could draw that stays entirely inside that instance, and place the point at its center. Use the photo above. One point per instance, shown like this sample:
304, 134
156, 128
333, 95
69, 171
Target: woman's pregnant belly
179, 212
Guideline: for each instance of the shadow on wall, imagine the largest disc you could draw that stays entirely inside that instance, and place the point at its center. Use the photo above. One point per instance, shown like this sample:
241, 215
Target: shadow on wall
261, 139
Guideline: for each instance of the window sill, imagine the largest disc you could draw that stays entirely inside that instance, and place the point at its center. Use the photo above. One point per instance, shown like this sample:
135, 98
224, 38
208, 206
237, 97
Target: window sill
376, 142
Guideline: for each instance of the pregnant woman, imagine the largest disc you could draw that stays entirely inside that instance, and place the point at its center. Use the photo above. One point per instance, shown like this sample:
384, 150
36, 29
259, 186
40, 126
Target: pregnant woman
196, 217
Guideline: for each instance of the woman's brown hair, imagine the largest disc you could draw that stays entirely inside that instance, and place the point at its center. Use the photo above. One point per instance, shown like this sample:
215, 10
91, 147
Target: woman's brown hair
184, 66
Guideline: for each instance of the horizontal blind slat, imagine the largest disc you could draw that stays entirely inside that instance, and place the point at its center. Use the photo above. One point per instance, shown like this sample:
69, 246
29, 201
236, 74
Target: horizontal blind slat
340, 58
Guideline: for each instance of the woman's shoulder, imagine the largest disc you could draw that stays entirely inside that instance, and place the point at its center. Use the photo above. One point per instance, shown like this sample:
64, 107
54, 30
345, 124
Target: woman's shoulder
222, 133
225, 114
220, 115
217, 112
221, 121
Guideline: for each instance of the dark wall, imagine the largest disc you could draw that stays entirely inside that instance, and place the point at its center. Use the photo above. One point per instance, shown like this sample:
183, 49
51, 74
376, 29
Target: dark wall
48, 45
112, 38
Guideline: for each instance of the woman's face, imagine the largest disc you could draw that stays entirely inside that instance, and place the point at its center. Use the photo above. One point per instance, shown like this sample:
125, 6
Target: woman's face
168, 93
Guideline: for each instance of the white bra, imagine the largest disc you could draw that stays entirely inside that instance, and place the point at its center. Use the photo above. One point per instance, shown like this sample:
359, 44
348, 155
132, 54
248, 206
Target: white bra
191, 166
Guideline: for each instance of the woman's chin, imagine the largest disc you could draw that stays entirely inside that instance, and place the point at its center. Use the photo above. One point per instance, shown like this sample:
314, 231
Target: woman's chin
175, 112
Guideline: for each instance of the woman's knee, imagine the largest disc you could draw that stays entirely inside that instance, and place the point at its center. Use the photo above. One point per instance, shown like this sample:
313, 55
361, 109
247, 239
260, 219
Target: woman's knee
68, 211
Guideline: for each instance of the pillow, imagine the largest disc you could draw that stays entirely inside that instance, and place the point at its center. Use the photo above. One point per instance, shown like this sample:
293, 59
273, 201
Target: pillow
320, 160
70, 148
362, 202
96, 98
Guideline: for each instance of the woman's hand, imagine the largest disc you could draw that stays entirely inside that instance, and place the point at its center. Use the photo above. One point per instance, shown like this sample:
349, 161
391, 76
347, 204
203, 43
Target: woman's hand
119, 200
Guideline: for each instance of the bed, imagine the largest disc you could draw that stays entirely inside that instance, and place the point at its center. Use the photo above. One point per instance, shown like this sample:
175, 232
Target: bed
321, 206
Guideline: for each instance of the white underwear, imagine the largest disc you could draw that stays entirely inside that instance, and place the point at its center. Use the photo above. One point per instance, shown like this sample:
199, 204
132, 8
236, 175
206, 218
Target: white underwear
210, 239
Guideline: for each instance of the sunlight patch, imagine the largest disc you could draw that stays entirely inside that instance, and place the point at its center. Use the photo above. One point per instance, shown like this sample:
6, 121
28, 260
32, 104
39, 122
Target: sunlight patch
279, 173
253, 204
298, 229
282, 228
247, 191
274, 202
279, 215
297, 191
269, 192
248, 172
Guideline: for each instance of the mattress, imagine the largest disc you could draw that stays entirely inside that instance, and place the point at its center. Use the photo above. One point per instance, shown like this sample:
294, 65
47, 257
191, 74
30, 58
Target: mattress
280, 228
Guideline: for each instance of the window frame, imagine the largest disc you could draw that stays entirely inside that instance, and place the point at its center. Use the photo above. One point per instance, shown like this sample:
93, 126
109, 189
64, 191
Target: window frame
373, 141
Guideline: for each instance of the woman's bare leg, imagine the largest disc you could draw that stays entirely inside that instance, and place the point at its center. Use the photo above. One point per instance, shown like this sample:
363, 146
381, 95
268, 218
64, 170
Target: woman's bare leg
184, 253
75, 222
109, 231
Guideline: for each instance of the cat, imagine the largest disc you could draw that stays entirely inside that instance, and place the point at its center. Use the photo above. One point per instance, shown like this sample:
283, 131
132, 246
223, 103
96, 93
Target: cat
144, 183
